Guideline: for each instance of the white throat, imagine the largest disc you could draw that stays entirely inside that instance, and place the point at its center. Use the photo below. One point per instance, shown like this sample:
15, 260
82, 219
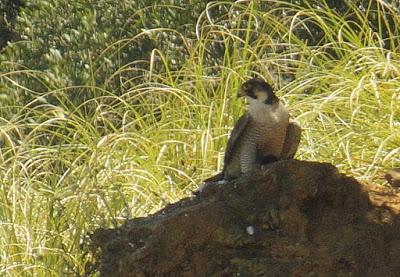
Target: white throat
262, 112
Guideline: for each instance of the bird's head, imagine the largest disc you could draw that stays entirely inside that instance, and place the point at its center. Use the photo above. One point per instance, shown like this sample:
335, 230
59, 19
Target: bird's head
258, 90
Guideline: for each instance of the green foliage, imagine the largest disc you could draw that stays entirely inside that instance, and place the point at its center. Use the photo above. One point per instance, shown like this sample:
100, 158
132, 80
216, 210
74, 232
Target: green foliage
109, 113
8, 13
86, 42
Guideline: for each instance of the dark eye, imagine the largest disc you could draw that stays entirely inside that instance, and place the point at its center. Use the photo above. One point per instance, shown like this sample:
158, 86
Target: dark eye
246, 86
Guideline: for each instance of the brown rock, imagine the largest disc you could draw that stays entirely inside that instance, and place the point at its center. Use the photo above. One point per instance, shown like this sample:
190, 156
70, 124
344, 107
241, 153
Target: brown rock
295, 219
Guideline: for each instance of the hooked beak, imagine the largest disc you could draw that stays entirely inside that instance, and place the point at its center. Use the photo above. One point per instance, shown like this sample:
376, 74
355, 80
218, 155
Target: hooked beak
241, 93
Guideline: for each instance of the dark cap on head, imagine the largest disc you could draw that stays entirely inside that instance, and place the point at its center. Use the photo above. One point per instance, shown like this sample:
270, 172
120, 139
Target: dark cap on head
255, 87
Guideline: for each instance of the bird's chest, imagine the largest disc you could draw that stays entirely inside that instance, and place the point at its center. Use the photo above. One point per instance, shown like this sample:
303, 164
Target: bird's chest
268, 120
268, 133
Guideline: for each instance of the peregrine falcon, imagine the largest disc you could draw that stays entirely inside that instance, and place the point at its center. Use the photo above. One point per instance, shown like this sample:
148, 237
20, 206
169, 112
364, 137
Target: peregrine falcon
262, 135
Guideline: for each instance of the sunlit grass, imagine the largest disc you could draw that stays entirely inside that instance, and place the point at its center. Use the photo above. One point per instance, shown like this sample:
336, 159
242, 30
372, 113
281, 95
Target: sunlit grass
71, 167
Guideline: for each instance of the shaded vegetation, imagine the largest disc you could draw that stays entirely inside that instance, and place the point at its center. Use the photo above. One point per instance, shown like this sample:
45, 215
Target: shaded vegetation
8, 13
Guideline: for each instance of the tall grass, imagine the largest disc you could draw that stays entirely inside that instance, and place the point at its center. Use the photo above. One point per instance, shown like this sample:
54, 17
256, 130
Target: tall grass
70, 167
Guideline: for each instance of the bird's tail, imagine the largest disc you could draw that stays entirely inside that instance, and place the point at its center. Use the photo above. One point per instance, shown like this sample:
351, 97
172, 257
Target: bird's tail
215, 178
210, 181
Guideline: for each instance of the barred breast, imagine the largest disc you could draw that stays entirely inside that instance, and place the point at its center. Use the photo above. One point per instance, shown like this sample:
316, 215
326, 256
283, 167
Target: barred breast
264, 135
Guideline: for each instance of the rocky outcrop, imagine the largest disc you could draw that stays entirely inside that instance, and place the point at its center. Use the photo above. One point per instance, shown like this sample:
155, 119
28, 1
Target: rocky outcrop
296, 218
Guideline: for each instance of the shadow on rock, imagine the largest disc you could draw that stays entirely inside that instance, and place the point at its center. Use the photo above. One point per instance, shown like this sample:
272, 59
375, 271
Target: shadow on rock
296, 218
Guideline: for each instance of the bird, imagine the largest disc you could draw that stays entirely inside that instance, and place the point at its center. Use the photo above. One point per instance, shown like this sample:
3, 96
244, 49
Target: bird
262, 135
